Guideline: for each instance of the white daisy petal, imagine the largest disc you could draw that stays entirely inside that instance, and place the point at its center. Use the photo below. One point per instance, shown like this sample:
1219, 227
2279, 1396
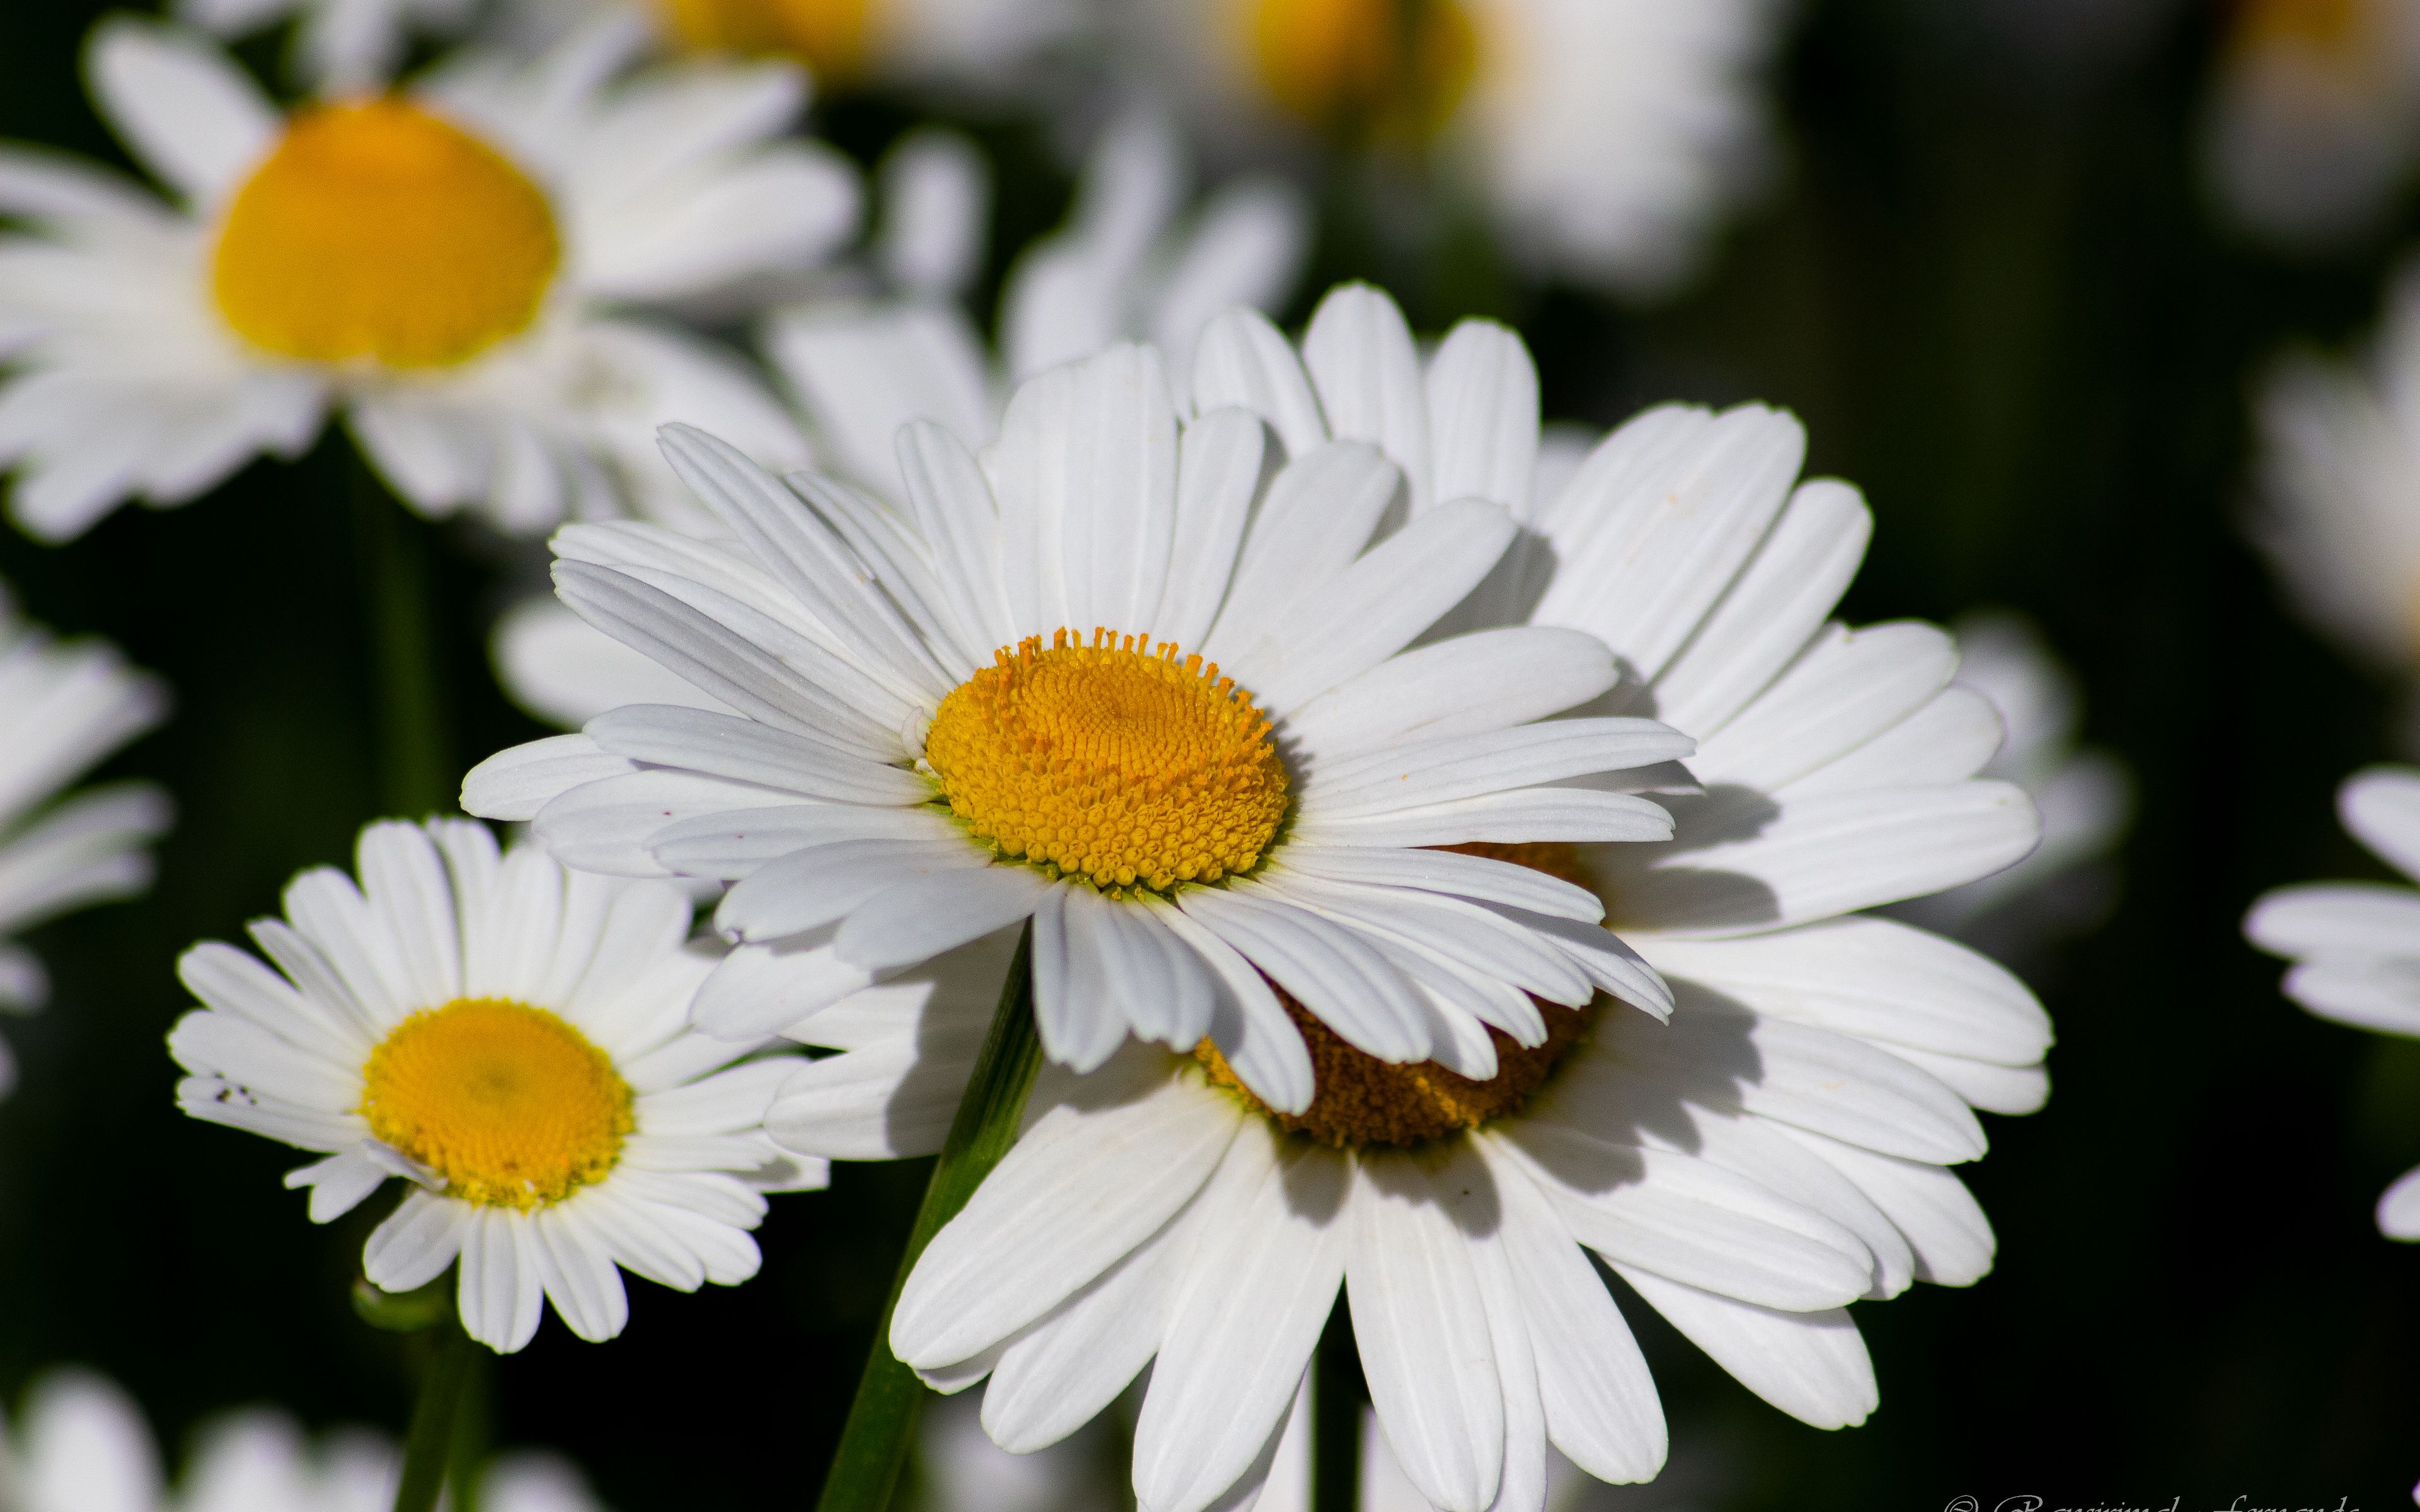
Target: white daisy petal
1688, 1219
500, 1292
1833, 1084
1873, 978
2367, 993
1241, 361
1451, 874
916, 920
1421, 1322
1332, 972
2399, 1208
758, 990
1053, 1378
2381, 808
338, 1183
1482, 402
1316, 519
516, 783
1465, 685
1773, 610
1061, 1207
1945, 1226
1601, 1406
195, 119
1246, 1022
1359, 355
2371, 921
1258, 1292
1826, 856
578, 1275
1657, 523
1812, 1365
416, 1242
1846, 689
825, 884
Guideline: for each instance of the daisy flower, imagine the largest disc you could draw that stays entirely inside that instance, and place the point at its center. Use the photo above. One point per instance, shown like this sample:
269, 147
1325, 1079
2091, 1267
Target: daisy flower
82, 1445
2084, 797
340, 46
2339, 445
1773, 1150
64, 708
442, 264
512, 1041
1126, 678
1604, 137
2357, 945
2313, 115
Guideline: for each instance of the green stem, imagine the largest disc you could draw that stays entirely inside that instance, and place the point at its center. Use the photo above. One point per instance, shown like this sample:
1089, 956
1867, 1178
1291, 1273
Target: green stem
428, 1450
416, 775
882, 1419
1336, 1390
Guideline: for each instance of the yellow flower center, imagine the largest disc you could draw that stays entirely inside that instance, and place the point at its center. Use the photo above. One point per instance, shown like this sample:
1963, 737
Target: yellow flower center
1114, 762
510, 1104
375, 230
1359, 1100
1391, 68
2320, 25
832, 38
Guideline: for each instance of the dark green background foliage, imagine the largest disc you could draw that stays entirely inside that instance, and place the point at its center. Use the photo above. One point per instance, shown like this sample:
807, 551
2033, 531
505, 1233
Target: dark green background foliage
1996, 295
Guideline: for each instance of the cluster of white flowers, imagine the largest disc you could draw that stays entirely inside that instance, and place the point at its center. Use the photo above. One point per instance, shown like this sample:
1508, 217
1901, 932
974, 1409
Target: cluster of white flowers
1454, 857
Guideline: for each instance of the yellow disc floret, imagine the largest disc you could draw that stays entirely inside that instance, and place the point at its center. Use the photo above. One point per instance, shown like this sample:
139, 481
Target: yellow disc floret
514, 1107
1357, 1100
1390, 67
832, 38
1114, 762
376, 231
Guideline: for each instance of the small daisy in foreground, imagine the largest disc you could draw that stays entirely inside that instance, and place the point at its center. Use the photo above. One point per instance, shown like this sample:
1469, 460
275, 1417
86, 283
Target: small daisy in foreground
2357, 945
2084, 797
64, 708
1772, 1150
446, 265
1135, 261
339, 45
81, 1445
513, 1040
2312, 121
1123, 679
1604, 137
2339, 447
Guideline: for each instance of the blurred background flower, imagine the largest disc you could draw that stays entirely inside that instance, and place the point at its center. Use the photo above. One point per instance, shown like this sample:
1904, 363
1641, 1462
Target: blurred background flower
81, 1444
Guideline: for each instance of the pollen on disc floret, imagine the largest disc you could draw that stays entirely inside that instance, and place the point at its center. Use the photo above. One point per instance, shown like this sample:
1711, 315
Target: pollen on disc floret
510, 1104
374, 230
1118, 762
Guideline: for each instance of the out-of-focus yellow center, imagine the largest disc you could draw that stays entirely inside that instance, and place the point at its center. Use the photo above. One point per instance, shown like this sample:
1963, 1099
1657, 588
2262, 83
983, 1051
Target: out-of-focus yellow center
1359, 1100
2319, 25
510, 1104
1115, 762
375, 230
835, 39
1389, 67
